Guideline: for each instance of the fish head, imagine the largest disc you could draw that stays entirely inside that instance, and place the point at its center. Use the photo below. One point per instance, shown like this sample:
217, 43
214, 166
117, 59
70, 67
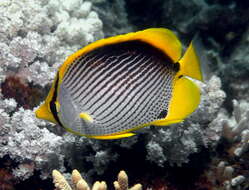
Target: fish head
44, 111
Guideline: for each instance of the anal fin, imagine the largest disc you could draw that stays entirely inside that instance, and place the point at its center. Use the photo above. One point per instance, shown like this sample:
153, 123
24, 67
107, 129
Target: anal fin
164, 122
114, 136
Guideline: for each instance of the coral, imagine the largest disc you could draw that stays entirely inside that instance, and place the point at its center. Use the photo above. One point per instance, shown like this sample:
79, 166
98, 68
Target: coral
35, 38
225, 177
236, 129
26, 96
78, 183
154, 146
113, 15
59, 181
7, 180
189, 136
229, 167
122, 183
96, 154
31, 146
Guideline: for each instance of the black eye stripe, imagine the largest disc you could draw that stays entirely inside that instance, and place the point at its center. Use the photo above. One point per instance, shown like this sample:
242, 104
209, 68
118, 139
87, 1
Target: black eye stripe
52, 104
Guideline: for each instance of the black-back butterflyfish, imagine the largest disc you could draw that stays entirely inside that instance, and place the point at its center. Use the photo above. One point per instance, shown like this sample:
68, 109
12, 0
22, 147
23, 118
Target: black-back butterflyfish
119, 84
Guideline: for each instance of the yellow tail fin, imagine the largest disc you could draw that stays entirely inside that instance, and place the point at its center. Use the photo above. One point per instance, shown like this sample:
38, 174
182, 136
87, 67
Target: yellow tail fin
190, 63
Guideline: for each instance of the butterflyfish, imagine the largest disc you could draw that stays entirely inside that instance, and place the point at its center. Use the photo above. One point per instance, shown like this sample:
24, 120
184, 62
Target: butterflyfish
114, 86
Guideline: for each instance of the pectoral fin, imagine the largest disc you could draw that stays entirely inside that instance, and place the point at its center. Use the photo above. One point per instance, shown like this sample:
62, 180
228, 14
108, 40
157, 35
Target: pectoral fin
85, 116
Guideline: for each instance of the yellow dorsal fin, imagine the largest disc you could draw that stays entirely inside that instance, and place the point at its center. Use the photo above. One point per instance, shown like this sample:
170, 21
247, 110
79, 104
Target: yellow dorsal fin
160, 38
86, 117
190, 62
163, 39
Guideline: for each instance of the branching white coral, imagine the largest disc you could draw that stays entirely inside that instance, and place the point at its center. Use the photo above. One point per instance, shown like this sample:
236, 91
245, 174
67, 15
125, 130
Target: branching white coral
231, 171
30, 146
36, 36
236, 129
227, 178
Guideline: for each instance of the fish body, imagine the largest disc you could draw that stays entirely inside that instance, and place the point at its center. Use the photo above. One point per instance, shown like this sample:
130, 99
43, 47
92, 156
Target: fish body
120, 84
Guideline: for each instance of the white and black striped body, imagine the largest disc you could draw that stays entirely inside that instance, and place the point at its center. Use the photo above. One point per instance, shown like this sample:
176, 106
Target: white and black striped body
121, 86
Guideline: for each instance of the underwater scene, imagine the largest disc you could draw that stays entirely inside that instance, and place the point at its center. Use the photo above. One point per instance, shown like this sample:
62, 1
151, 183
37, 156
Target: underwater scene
124, 94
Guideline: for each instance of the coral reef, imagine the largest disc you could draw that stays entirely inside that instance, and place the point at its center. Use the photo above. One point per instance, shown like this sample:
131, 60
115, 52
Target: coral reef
96, 156
78, 183
114, 16
189, 136
36, 37
236, 129
32, 147
229, 167
236, 133
154, 146
26, 96
226, 39
48, 150
7, 181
